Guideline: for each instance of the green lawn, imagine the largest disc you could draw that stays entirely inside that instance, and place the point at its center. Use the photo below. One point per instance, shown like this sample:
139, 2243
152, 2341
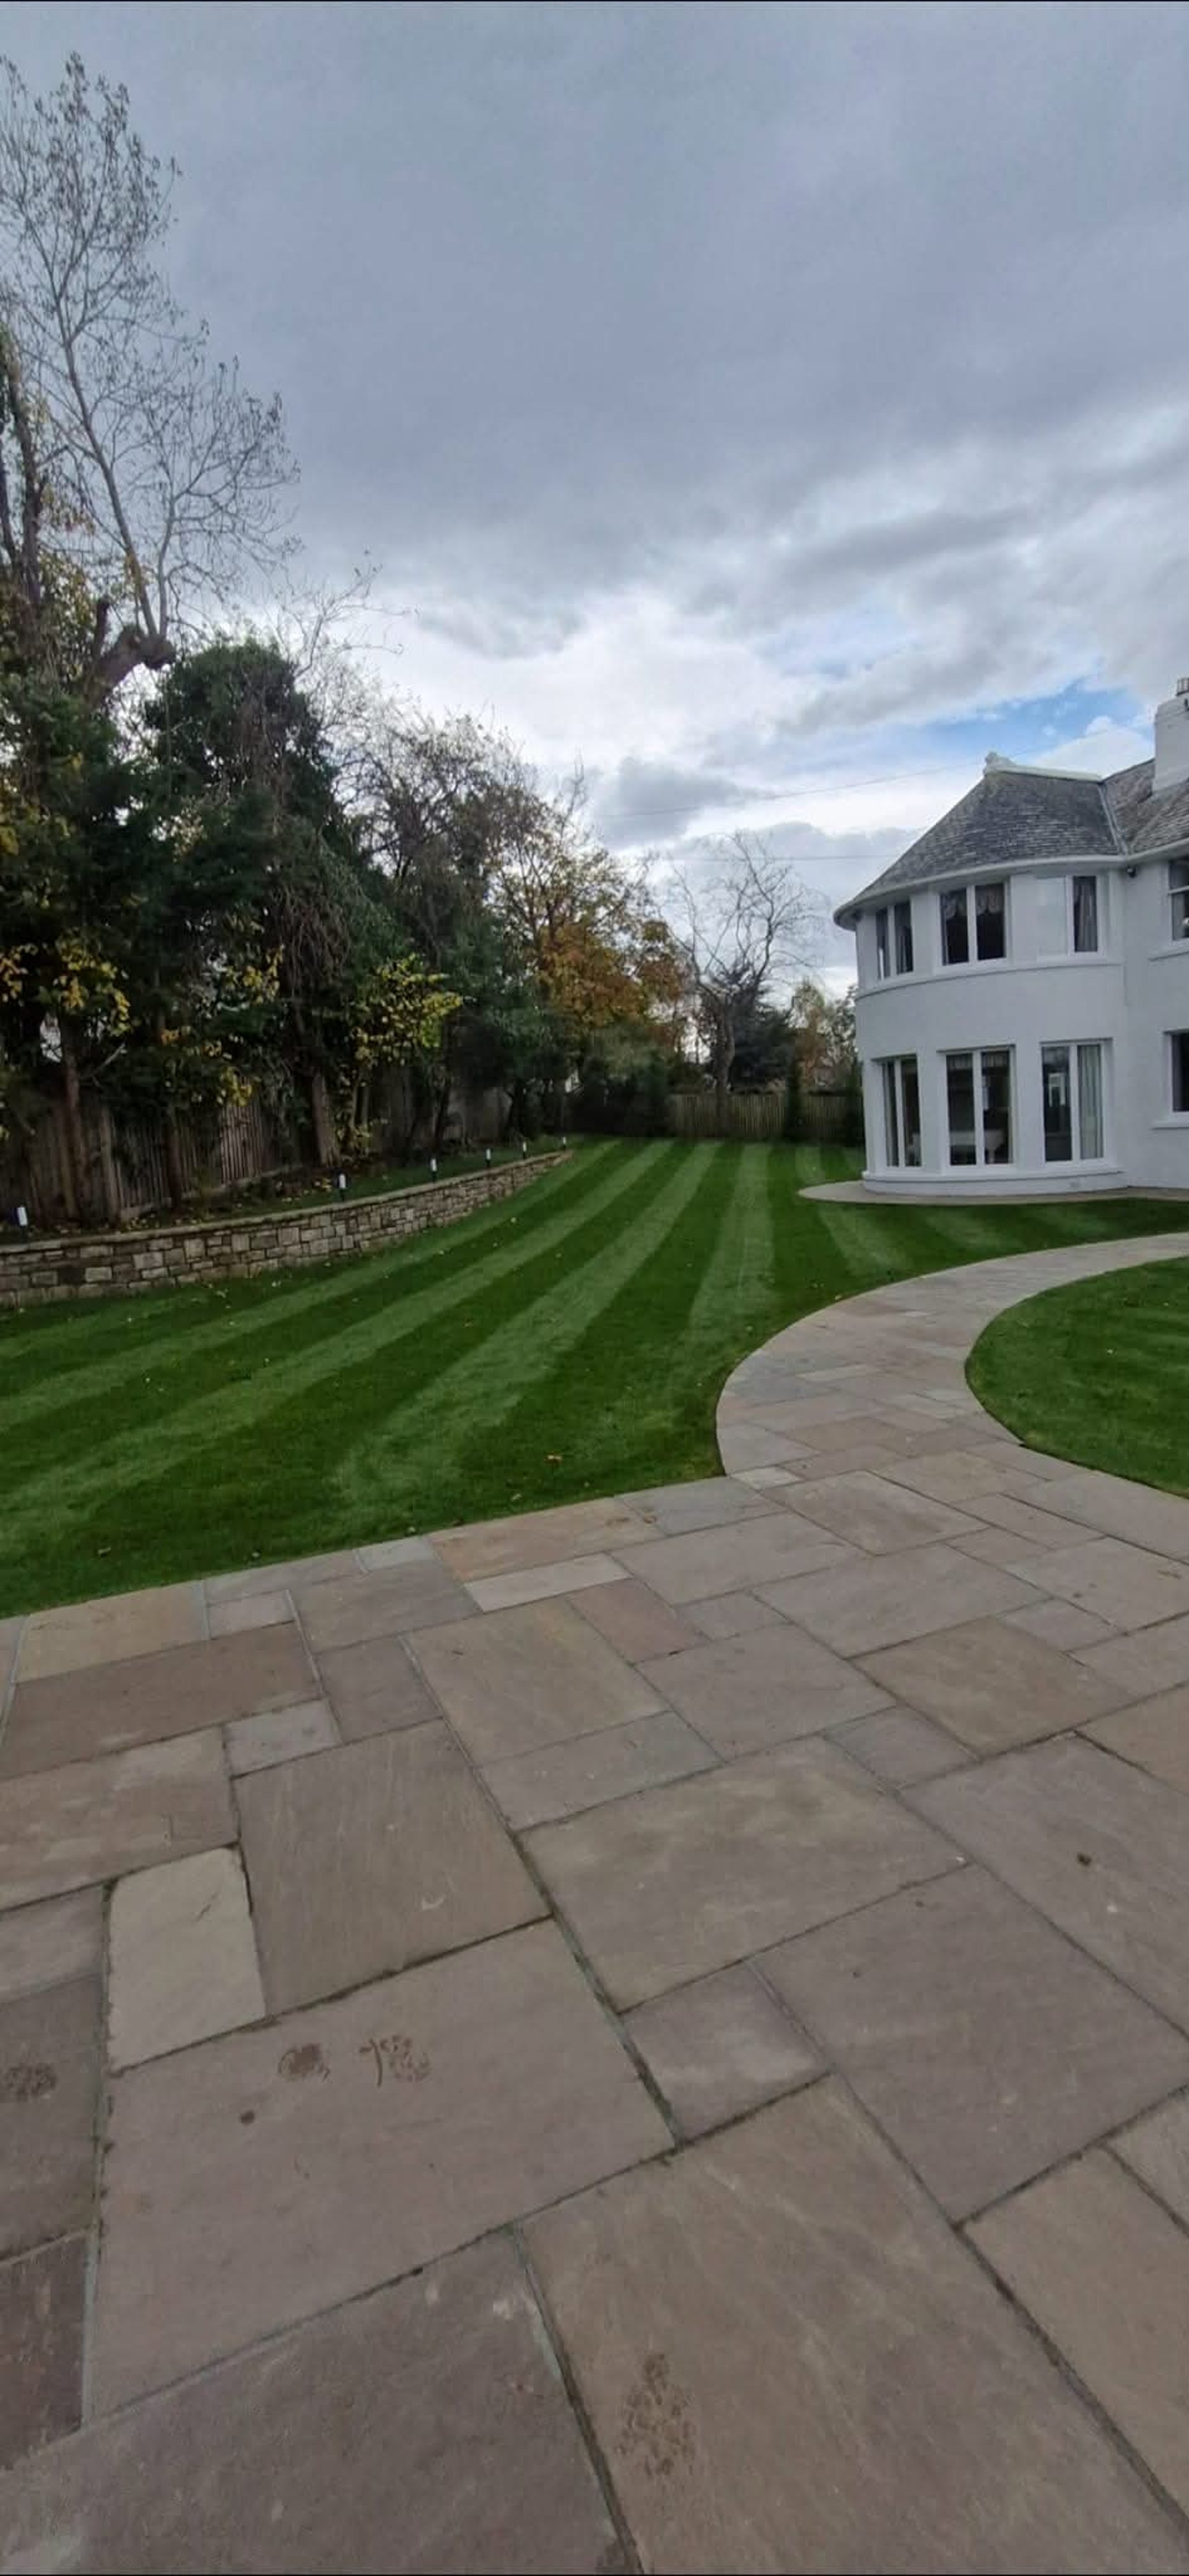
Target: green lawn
570, 1341
1098, 1372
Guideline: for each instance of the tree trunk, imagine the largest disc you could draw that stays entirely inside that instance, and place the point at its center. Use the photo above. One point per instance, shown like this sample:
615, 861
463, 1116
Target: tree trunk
724, 1057
175, 1179
324, 1135
76, 1174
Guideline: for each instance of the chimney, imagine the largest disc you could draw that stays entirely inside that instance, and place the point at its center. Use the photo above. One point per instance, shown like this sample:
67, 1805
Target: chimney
1172, 741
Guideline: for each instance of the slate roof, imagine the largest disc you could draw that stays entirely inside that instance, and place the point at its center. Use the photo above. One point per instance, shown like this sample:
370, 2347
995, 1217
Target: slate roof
1016, 816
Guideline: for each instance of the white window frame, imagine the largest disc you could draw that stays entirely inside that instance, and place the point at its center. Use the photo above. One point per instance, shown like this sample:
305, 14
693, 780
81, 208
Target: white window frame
1170, 1041
1178, 900
1073, 1048
887, 941
1066, 879
981, 1162
972, 961
894, 1065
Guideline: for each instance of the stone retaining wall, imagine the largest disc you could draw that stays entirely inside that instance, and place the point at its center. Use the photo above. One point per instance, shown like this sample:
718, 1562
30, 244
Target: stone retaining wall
115, 1265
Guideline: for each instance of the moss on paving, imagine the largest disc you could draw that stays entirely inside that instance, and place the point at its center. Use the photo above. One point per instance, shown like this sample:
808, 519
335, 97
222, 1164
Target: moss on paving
570, 1341
1098, 1372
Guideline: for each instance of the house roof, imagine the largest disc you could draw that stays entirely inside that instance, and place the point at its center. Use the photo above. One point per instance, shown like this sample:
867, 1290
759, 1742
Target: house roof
1017, 816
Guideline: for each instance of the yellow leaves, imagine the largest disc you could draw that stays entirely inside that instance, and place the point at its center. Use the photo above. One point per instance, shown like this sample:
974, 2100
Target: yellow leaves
401, 1010
86, 986
12, 971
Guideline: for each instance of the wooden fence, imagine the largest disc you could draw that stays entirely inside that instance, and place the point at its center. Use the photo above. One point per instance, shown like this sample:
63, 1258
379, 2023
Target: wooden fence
820, 1118
127, 1174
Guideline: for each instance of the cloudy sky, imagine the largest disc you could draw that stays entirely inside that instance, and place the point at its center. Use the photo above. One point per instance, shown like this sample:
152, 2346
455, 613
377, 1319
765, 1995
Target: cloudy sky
777, 407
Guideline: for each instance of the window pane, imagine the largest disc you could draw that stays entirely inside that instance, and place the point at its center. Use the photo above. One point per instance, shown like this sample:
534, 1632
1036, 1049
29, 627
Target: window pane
955, 933
891, 1117
1090, 1103
1178, 879
882, 966
1180, 1069
903, 918
959, 1087
996, 1080
990, 920
911, 1092
1052, 927
1085, 914
1058, 1104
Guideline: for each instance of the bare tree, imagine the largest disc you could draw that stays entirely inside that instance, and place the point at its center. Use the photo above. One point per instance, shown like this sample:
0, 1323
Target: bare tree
127, 455
752, 922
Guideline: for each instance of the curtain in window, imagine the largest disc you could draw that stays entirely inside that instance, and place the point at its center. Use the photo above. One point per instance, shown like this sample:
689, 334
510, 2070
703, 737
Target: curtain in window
1085, 913
1090, 1102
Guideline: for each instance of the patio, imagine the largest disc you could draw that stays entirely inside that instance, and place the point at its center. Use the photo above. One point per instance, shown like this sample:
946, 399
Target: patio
652, 2033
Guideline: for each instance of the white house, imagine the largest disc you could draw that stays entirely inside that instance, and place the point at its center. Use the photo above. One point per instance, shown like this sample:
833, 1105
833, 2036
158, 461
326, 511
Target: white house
1023, 985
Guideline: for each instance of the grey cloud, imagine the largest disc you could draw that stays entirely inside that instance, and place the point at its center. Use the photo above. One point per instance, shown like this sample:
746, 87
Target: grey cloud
657, 801
854, 332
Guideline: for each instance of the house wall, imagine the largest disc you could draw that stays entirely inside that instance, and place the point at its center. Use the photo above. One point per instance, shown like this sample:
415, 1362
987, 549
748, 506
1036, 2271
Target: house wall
1126, 997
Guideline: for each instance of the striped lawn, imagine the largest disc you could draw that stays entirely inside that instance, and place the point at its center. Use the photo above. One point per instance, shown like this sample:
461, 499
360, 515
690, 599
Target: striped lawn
572, 1341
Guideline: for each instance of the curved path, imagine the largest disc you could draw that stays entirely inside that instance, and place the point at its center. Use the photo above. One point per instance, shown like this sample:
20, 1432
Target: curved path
584, 2017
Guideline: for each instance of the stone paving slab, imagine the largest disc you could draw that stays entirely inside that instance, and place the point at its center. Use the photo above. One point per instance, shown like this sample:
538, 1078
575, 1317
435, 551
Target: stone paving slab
749, 1554
539, 1538
372, 1857
451, 2445
731, 1614
49, 2082
873, 1513
51, 1944
917, 2000
562, 1779
529, 1677
276, 2172
747, 1692
1140, 1666
635, 1622
1155, 1735
662, 1887
41, 2347
357, 1606
789, 2362
182, 1957
1157, 2149
707, 1502
990, 1685
96, 1820
1096, 1845
1105, 2273
109, 1708
886, 1601
111, 1630
1115, 1581
719, 2048
374, 1687
900, 1747
544, 1582
256, 1610
280, 1735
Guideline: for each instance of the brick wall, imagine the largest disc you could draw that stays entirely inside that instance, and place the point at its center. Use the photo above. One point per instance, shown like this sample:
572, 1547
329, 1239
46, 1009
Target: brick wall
115, 1265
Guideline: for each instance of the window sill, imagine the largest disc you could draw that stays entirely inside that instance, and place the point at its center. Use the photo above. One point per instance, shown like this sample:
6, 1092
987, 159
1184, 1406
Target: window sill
1172, 948
1174, 1118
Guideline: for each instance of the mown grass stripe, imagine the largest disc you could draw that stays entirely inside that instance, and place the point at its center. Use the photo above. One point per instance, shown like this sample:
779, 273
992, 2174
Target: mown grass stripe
488, 1388
210, 1425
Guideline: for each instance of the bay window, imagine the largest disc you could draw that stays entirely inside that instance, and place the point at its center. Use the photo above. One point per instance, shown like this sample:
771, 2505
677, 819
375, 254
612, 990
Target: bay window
893, 940
974, 921
1071, 1093
978, 1104
901, 1111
